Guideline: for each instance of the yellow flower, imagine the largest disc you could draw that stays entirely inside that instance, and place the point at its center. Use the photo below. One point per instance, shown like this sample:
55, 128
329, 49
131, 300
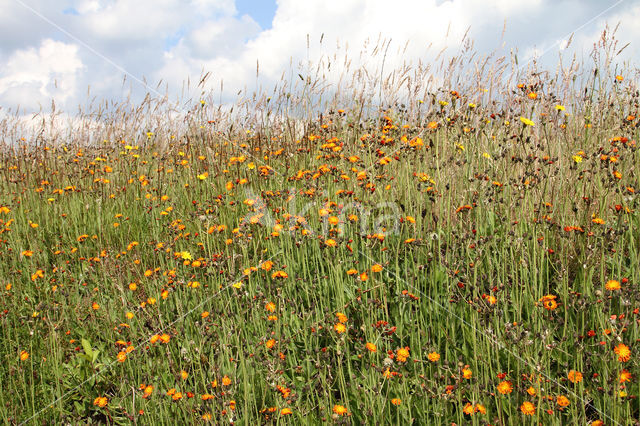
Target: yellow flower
527, 122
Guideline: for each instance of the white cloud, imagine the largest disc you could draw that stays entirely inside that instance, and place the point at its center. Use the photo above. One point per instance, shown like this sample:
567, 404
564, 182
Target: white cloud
173, 40
34, 76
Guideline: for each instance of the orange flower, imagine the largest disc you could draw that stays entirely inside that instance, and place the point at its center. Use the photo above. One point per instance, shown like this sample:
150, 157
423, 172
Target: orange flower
341, 317
549, 302
270, 306
339, 410
505, 387
623, 352
625, 376
101, 401
24, 355
433, 357
574, 376
371, 347
432, 125
402, 354
466, 372
340, 328
376, 268
226, 381
563, 401
279, 274
528, 408
396, 401
122, 356
612, 285
331, 243
165, 338
148, 390
286, 411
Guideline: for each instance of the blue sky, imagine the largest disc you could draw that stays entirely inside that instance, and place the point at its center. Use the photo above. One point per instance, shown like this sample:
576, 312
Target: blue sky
58, 49
262, 11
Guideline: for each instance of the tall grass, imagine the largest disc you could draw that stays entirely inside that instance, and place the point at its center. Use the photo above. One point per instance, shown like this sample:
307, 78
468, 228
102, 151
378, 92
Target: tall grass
454, 243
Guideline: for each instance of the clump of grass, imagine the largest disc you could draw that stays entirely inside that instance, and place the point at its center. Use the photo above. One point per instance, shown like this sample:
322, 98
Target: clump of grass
461, 252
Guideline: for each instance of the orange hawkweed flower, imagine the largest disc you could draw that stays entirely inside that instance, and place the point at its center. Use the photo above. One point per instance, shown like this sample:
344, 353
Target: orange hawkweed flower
340, 410
623, 352
505, 387
101, 401
612, 285
624, 376
330, 243
574, 376
563, 401
340, 328
376, 268
527, 408
396, 401
467, 373
24, 355
371, 347
402, 354
433, 357
279, 274
468, 409
549, 302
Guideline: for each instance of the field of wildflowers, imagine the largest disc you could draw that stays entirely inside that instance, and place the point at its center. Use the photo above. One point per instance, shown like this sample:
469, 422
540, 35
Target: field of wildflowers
466, 253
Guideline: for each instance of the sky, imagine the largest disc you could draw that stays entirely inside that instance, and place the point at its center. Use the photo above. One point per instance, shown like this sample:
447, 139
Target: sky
72, 51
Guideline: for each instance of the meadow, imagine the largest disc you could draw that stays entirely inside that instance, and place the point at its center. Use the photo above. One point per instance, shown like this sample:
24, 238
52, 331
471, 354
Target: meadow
459, 254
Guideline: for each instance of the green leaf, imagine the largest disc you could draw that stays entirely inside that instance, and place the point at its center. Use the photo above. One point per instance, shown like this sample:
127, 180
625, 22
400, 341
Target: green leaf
87, 347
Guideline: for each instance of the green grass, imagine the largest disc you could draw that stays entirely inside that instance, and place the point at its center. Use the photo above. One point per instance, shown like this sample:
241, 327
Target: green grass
472, 228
